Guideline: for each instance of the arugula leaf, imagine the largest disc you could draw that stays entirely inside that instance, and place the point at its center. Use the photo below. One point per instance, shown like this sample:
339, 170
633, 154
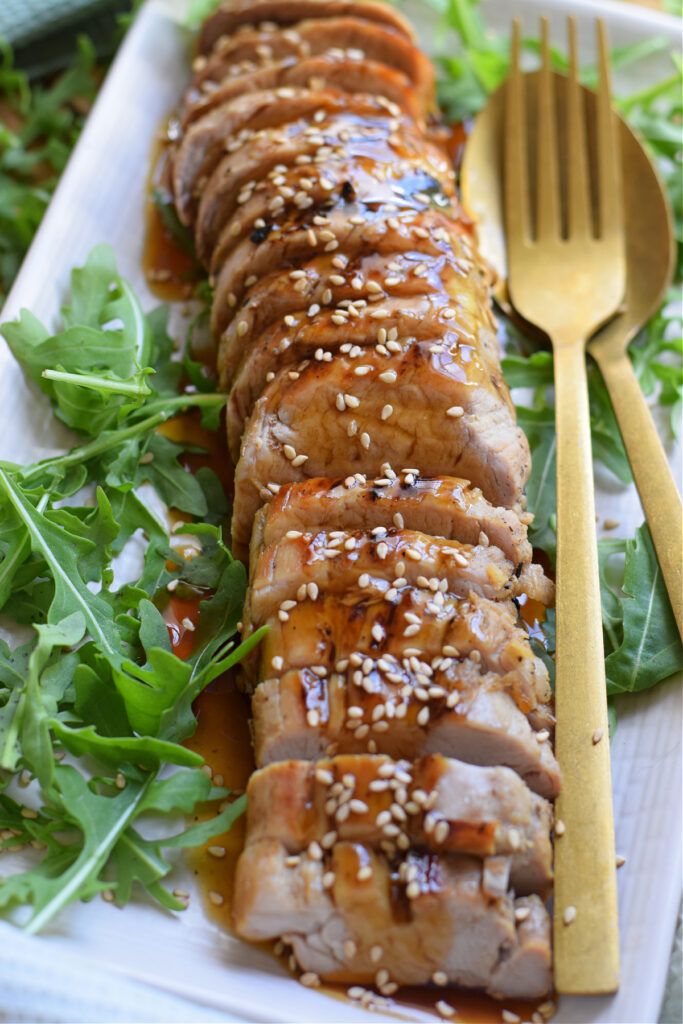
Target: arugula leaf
33, 152
100, 679
646, 648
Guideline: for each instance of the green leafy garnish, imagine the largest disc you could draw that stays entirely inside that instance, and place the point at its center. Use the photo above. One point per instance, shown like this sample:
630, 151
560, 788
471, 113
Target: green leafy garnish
100, 680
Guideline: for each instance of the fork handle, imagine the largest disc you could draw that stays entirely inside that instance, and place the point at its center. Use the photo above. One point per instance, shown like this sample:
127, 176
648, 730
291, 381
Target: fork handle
651, 471
586, 948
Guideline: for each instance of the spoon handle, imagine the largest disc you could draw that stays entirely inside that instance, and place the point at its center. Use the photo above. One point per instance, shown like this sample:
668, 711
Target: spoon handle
651, 472
587, 948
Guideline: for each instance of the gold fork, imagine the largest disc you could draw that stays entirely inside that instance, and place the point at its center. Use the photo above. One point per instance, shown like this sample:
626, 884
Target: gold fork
568, 277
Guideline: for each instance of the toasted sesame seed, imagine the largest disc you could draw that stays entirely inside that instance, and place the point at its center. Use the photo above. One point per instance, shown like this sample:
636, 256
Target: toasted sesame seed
620, 860
310, 979
569, 915
597, 736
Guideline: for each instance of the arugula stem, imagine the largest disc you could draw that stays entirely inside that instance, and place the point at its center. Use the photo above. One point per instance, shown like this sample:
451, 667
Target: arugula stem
89, 380
166, 407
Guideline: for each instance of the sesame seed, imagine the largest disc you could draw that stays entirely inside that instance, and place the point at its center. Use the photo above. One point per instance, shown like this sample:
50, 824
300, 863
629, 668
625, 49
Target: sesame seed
313, 718
440, 978
413, 890
328, 879
324, 776
310, 979
364, 874
388, 376
455, 411
315, 851
119, 781
351, 401
312, 590
597, 736
365, 439
216, 898
364, 580
542, 736
217, 851
521, 913
509, 1017
559, 827
382, 550
620, 860
242, 328
569, 915
277, 662
355, 992
444, 1008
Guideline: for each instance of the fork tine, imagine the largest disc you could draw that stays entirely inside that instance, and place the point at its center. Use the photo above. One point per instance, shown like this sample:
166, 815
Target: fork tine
609, 169
548, 189
579, 219
516, 173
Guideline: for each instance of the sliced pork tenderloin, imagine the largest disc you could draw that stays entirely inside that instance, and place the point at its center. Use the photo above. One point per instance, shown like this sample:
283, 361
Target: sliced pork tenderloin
429, 915
432, 407
234, 14
359, 37
436, 803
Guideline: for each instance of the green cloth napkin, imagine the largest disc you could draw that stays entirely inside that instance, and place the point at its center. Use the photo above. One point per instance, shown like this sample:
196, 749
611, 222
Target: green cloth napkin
44, 32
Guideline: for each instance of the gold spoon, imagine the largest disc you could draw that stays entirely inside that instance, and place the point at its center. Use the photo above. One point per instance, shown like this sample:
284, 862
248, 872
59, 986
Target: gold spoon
650, 261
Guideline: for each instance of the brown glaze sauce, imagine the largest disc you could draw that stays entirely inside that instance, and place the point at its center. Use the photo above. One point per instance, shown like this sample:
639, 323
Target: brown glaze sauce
171, 272
223, 735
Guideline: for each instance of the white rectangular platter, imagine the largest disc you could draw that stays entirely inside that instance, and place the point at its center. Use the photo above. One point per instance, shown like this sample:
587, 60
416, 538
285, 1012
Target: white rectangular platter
98, 951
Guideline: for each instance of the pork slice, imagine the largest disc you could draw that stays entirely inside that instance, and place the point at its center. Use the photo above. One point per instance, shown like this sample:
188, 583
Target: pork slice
437, 803
441, 920
381, 178
236, 13
295, 143
404, 622
303, 715
431, 407
349, 287
206, 140
443, 506
253, 49
285, 569
317, 337
331, 70
347, 230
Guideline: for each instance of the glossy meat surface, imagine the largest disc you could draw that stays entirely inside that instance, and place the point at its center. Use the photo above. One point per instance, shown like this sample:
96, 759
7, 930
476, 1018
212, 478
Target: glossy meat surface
485, 812
399, 822
448, 923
